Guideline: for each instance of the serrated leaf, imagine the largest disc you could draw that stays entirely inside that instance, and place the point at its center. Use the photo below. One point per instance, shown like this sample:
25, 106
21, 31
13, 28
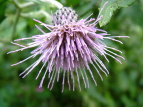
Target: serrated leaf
110, 7
126, 3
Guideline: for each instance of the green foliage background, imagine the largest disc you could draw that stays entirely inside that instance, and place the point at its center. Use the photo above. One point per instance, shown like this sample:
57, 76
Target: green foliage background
123, 87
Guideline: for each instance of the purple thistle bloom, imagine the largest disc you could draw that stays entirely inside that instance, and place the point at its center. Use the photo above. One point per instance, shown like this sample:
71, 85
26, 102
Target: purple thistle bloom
68, 49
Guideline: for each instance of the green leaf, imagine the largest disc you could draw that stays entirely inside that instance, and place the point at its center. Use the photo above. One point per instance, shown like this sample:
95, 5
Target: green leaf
86, 8
110, 7
3, 7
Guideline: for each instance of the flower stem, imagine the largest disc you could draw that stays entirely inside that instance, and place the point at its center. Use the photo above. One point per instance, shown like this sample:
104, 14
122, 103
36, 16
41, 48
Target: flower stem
15, 23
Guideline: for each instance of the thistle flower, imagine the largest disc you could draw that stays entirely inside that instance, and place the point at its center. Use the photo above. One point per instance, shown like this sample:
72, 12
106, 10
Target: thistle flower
68, 49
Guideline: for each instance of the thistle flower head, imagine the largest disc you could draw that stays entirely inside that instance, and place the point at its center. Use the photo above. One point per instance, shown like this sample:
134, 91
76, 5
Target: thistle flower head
68, 49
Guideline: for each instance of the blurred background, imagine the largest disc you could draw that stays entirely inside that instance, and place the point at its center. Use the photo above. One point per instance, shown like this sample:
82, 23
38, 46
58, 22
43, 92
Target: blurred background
123, 87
